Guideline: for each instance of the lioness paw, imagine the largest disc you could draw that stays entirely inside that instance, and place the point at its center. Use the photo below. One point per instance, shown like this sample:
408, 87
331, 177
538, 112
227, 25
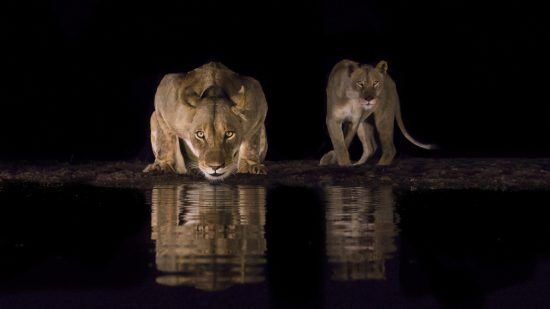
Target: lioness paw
385, 160
362, 160
258, 169
328, 159
253, 169
162, 167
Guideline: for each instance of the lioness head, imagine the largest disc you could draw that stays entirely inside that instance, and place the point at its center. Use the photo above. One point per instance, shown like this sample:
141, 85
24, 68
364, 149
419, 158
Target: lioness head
216, 133
368, 82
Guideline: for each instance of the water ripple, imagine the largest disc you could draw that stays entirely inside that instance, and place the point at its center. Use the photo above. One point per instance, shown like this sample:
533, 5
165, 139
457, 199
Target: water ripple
361, 229
209, 236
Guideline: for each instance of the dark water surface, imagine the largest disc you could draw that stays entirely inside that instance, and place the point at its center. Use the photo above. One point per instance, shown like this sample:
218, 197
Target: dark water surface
202, 245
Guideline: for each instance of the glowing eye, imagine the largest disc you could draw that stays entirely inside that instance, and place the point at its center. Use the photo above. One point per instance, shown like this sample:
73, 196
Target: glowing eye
360, 84
229, 134
199, 134
376, 83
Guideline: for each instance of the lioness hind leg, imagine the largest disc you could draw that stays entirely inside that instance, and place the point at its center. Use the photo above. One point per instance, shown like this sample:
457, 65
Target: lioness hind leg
365, 132
168, 157
252, 153
384, 126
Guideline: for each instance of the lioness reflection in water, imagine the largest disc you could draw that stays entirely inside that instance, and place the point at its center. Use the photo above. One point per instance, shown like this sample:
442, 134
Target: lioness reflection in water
209, 237
361, 228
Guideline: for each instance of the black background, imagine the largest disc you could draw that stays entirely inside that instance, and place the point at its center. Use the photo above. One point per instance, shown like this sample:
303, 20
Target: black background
79, 76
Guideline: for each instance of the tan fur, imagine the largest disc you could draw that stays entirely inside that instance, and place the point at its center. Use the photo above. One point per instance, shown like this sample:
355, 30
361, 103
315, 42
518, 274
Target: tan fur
213, 100
354, 92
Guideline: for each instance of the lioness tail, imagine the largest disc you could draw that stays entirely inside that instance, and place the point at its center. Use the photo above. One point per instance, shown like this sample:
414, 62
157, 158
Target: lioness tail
407, 135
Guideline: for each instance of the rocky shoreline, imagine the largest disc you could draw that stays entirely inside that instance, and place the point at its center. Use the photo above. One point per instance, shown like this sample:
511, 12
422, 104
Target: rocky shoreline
404, 173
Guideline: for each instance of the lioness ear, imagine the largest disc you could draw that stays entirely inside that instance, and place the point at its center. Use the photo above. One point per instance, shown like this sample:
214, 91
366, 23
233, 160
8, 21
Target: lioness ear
240, 101
352, 67
382, 66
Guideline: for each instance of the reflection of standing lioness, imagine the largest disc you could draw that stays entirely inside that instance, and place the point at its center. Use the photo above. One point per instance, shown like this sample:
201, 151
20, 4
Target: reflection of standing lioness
220, 117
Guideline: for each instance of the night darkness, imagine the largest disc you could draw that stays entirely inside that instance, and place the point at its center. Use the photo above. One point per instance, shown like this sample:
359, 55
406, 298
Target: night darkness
79, 76
78, 83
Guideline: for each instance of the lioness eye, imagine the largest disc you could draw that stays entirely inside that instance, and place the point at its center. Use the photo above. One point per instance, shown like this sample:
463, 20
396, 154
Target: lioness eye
199, 134
360, 84
229, 134
375, 83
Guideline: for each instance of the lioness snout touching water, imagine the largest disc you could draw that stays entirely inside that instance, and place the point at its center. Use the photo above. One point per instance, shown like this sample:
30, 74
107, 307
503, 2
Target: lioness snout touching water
218, 114
354, 92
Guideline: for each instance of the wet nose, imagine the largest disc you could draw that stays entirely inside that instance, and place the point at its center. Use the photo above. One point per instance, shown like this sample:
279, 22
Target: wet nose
215, 166
369, 97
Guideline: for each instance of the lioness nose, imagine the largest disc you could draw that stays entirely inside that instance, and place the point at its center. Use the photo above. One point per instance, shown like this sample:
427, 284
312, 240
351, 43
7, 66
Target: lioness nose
216, 166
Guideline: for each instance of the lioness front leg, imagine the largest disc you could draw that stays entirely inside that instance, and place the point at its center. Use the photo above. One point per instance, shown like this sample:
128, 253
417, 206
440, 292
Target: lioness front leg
330, 157
251, 154
365, 132
166, 148
339, 143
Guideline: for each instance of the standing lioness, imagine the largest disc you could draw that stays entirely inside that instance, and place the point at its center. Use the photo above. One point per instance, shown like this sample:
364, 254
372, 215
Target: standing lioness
220, 117
354, 92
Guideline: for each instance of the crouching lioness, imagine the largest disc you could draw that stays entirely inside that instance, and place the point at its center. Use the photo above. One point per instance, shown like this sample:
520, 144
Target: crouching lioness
218, 114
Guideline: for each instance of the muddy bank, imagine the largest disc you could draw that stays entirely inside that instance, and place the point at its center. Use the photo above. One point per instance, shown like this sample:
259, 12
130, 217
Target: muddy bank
405, 173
